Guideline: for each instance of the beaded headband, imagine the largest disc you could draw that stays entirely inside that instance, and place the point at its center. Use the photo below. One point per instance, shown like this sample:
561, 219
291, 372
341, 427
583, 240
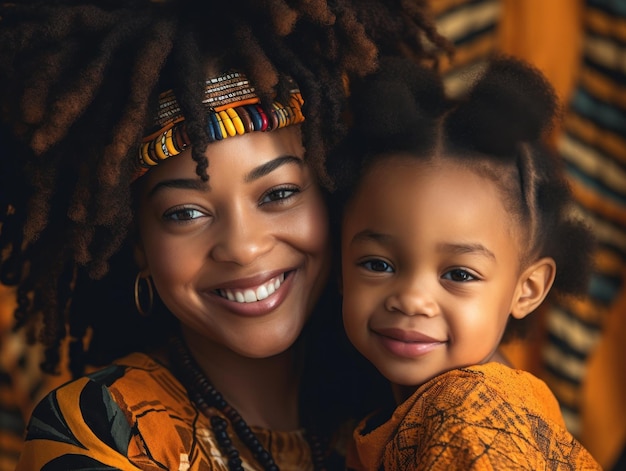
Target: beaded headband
233, 108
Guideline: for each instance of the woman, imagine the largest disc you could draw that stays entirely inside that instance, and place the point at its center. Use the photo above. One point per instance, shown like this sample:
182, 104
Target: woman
135, 139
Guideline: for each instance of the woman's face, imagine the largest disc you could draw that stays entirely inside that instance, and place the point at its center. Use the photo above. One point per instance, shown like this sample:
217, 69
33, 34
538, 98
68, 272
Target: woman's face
240, 260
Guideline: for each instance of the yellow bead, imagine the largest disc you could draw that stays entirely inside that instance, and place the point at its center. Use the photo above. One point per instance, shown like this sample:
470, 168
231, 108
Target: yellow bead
234, 117
228, 124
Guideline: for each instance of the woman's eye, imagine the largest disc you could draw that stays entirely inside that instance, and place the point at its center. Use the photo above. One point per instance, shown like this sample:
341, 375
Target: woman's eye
279, 194
377, 266
183, 214
459, 275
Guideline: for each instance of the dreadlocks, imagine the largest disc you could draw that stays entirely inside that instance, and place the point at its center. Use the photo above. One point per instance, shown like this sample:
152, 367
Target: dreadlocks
79, 83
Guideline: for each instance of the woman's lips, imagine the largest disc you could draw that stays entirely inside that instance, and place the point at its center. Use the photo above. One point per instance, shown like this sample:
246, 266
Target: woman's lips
255, 299
407, 344
253, 294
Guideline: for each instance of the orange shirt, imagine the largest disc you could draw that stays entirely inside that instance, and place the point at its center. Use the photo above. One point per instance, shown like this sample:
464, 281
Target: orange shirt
481, 417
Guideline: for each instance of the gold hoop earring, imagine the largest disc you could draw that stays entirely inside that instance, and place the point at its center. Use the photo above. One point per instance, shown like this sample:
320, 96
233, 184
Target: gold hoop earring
138, 290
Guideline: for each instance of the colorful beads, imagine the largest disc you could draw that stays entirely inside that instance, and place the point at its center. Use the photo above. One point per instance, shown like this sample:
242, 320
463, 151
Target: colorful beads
233, 109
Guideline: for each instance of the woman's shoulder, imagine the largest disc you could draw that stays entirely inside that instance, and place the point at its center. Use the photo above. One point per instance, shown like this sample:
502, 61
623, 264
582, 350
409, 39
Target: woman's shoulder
134, 387
129, 380
116, 416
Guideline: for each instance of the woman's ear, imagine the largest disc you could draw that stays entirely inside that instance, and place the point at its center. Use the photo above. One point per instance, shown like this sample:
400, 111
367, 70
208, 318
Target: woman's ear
339, 280
140, 258
533, 286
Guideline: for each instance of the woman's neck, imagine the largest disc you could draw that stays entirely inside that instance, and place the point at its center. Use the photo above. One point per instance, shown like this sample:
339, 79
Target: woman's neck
263, 390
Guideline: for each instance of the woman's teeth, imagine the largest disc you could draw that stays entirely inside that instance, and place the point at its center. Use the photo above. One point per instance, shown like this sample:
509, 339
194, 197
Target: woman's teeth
253, 295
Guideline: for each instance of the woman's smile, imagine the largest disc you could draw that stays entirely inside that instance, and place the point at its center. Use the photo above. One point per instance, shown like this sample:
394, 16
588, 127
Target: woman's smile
240, 259
252, 294
254, 300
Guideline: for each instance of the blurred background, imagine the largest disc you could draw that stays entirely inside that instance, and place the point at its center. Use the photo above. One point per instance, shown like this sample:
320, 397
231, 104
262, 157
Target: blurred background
579, 348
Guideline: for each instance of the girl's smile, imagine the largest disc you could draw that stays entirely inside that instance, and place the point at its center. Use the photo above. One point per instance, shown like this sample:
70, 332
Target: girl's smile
406, 343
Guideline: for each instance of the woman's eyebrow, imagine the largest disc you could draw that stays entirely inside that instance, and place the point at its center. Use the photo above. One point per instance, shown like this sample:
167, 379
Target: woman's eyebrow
180, 183
272, 165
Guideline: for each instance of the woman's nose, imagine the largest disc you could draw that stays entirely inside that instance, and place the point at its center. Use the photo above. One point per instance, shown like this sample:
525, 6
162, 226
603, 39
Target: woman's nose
242, 239
412, 298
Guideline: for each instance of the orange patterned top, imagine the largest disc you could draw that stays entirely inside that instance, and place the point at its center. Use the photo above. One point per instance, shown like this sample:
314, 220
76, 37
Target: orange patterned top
482, 417
135, 415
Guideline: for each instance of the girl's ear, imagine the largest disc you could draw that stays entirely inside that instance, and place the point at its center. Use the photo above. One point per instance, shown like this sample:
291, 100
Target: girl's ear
533, 286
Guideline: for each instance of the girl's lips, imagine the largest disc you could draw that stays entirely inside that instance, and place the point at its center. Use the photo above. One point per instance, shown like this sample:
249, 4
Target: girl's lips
405, 335
407, 344
255, 300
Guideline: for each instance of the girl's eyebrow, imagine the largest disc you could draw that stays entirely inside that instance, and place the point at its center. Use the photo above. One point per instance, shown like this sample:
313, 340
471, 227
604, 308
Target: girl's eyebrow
370, 235
270, 166
461, 248
367, 235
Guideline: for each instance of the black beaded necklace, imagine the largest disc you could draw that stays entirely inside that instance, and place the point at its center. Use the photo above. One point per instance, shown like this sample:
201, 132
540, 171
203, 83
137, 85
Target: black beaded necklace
206, 398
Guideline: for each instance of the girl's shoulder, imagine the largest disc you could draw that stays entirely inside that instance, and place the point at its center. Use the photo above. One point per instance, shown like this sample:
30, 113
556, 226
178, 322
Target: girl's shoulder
489, 416
475, 392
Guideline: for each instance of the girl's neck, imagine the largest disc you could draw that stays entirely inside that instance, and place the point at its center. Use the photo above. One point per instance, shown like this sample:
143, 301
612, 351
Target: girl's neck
263, 390
402, 393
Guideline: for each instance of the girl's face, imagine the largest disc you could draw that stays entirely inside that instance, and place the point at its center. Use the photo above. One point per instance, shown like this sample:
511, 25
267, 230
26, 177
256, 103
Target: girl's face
430, 268
240, 260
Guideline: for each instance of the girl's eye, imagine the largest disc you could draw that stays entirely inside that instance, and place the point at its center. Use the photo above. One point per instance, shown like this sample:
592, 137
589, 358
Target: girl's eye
459, 275
183, 214
279, 194
377, 266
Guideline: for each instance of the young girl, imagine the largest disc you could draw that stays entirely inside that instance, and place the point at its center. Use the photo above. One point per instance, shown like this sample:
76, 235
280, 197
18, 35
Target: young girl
161, 169
455, 228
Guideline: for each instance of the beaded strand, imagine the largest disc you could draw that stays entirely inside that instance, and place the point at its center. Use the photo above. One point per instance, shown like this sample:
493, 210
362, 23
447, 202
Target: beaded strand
208, 399
232, 109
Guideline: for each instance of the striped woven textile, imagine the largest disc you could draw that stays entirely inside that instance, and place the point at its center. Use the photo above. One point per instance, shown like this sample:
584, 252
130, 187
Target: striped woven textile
472, 27
593, 144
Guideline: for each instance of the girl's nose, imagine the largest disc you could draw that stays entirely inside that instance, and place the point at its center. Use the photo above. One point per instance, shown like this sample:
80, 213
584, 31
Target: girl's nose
412, 299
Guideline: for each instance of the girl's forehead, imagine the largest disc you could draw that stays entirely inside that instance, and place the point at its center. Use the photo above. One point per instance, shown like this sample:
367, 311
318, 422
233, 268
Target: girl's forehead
442, 166
405, 170
415, 167
409, 180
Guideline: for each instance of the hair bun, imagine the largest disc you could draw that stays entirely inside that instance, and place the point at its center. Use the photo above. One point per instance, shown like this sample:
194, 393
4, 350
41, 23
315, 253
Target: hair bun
392, 100
511, 103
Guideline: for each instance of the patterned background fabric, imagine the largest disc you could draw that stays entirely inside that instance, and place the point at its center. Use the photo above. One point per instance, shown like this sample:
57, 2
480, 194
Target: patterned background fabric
581, 46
